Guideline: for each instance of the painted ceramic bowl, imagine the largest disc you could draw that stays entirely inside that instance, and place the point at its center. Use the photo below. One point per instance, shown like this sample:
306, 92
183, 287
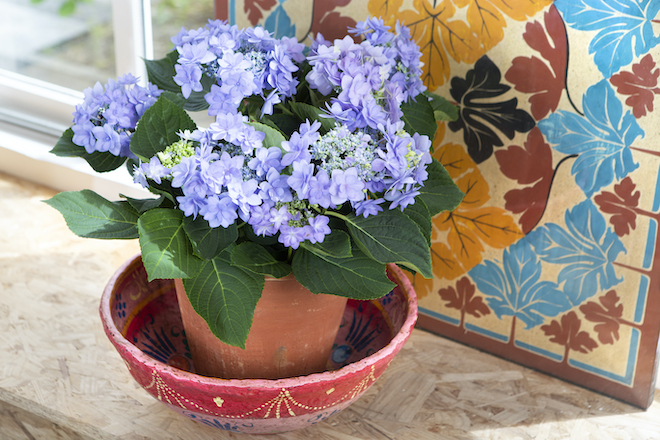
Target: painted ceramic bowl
143, 322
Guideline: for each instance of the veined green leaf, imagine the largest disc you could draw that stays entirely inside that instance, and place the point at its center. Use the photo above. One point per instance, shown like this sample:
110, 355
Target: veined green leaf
166, 250
100, 161
273, 138
337, 244
131, 165
144, 205
418, 117
443, 110
392, 237
358, 277
89, 215
254, 257
420, 214
158, 128
208, 242
286, 124
439, 192
161, 72
174, 98
225, 296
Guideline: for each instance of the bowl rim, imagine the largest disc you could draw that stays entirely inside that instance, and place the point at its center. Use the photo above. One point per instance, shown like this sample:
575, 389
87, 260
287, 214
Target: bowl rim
118, 339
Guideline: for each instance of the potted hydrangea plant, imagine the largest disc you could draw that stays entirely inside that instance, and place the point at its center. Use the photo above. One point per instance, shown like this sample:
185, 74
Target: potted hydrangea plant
318, 170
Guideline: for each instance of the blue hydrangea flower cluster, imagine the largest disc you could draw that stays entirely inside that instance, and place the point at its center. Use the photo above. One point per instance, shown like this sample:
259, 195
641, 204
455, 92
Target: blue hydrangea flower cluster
242, 63
367, 162
372, 79
106, 119
225, 173
363, 167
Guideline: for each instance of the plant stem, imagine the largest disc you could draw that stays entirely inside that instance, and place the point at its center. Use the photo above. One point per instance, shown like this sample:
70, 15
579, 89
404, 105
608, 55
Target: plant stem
336, 214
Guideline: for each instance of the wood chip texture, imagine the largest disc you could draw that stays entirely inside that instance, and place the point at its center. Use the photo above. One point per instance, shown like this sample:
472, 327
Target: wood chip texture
61, 379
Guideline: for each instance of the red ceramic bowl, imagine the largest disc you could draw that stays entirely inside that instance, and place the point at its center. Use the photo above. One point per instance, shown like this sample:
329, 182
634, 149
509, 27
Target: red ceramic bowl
143, 322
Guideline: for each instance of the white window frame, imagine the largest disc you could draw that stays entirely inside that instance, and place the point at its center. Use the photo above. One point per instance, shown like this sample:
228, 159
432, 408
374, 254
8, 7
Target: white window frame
34, 113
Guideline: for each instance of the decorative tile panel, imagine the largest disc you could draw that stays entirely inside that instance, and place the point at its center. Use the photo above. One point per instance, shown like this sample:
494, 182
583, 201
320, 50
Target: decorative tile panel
552, 259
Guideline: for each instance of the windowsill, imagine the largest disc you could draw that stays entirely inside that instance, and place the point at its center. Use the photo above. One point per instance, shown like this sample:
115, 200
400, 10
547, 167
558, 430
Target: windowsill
61, 377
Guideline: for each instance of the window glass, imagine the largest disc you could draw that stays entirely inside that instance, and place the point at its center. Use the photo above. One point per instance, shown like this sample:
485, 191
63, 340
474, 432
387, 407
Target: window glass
64, 42
70, 43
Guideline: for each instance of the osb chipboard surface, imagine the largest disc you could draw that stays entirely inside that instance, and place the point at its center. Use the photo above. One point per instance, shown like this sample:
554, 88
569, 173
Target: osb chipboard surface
553, 258
56, 363
18, 424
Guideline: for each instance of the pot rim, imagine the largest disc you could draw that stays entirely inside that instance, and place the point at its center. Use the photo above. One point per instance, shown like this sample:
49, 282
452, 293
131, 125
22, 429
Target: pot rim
121, 343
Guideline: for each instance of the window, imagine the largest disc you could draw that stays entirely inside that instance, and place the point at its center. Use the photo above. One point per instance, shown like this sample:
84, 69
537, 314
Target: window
47, 58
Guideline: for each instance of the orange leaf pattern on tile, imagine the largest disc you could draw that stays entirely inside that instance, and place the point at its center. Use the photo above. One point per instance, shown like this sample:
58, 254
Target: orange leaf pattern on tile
460, 237
439, 35
385, 9
444, 263
487, 18
443, 34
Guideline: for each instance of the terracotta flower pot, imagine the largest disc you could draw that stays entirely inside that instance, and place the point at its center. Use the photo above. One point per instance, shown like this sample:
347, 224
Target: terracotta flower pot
143, 322
291, 335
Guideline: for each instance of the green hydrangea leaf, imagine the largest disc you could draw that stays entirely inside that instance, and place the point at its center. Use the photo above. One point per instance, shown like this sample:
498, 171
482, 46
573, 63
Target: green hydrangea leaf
286, 124
443, 110
166, 250
358, 277
392, 237
420, 214
337, 244
418, 117
89, 215
256, 258
174, 98
439, 192
208, 242
158, 128
163, 193
161, 73
144, 205
273, 138
225, 296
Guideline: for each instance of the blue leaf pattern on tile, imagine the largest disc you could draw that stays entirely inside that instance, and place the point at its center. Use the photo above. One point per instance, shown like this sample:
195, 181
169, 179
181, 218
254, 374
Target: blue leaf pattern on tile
279, 23
600, 138
586, 248
624, 28
514, 289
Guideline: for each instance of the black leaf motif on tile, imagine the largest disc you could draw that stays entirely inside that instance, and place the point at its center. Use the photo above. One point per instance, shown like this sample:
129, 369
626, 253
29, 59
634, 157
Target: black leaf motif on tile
484, 115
